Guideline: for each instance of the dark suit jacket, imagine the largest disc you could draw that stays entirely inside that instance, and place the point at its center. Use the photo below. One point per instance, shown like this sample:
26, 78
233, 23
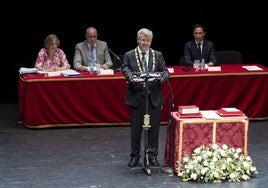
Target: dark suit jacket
191, 53
135, 91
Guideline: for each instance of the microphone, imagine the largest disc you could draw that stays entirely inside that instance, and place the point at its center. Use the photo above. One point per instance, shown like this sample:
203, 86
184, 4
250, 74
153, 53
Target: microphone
116, 56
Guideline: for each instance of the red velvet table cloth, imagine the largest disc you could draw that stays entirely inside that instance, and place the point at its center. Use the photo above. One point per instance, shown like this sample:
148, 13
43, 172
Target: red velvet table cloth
92, 100
184, 135
233, 86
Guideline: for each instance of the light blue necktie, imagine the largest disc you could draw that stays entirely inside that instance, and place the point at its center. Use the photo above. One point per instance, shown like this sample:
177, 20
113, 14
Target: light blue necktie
92, 56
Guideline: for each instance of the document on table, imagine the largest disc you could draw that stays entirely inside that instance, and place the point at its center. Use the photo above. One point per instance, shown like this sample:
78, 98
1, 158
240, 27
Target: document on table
25, 70
252, 68
106, 71
70, 72
210, 114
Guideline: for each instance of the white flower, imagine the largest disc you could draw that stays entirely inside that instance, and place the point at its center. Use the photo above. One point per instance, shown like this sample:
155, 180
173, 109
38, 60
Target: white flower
214, 159
185, 159
238, 150
194, 176
229, 160
214, 146
232, 176
223, 153
246, 165
198, 158
245, 177
216, 164
253, 169
223, 167
224, 146
236, 155
197, 150
190, 166
215, 174
206, 163
204, 170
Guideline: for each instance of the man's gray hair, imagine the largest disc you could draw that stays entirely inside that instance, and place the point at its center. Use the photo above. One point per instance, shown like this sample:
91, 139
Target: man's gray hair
144, 31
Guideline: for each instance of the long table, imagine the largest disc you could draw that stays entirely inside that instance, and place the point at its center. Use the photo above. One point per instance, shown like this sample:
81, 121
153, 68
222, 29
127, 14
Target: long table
94, 100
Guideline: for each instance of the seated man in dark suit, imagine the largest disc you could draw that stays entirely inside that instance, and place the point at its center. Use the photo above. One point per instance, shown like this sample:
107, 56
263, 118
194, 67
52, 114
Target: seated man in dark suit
199, 48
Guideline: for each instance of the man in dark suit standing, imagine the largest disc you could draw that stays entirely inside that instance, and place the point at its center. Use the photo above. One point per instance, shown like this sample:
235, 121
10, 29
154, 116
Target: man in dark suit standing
144, 59
199, 48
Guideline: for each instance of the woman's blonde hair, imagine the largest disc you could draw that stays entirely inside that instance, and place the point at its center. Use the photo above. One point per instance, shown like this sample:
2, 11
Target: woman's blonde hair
49, 40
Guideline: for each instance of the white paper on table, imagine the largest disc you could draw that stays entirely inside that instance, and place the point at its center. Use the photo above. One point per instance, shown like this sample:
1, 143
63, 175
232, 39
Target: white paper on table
231, 109
54, 73
210, 114
106, 71
214, 68
171, 70
252, 68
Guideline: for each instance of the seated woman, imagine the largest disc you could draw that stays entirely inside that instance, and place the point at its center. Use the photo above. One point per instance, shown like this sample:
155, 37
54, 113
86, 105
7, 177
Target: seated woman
51, 58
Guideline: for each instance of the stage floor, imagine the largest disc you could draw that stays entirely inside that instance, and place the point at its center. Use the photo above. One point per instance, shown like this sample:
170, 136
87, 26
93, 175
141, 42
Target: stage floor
96, 157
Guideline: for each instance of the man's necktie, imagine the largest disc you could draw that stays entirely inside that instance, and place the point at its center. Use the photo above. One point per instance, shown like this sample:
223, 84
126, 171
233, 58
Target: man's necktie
92, 56
144, 63
199, 51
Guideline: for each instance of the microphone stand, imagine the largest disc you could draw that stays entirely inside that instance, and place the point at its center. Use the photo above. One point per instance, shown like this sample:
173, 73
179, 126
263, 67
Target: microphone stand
187, 67
169, 169
114, 54
146, 126
117, 58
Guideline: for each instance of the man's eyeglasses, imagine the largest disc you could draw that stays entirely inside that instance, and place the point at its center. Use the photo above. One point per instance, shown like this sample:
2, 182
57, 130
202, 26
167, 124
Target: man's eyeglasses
93, 36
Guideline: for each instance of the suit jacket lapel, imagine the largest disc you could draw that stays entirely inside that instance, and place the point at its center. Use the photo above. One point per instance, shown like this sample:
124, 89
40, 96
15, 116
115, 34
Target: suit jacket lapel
86, 49
204, 47
150, 60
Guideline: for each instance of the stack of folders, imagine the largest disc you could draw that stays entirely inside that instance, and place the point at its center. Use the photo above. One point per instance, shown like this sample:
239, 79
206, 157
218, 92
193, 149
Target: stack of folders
188, 111
24, 70
230, 112
70, 72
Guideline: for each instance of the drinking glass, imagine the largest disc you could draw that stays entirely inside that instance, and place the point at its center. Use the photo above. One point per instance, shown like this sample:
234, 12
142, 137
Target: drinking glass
91, 69
196, 64
45, 66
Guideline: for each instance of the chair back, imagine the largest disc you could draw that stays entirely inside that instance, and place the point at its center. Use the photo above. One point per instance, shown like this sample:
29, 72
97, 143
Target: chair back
229, 57
182, 61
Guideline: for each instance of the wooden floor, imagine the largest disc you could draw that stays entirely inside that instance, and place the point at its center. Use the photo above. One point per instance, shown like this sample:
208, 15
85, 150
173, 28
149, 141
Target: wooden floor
96, 157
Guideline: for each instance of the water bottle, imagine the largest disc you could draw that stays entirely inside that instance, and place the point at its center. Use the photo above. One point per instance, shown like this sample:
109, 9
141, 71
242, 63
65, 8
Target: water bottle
98, 68
202, 64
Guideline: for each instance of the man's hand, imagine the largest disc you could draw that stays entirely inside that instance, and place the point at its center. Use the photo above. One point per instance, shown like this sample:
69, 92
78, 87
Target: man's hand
82, 68
134, 78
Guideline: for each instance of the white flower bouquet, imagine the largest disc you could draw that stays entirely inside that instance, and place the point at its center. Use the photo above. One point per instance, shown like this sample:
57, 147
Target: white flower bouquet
215, 164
